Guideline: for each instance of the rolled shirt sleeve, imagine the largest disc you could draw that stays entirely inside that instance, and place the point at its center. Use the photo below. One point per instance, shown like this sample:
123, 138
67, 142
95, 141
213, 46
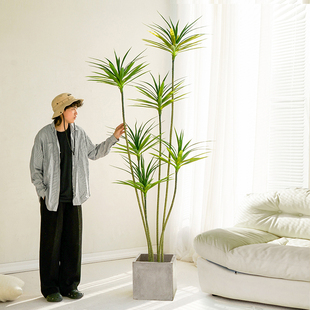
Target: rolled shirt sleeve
96, 151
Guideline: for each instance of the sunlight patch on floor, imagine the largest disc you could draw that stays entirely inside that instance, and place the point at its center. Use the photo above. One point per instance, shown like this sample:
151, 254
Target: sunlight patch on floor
120, 277
17, 303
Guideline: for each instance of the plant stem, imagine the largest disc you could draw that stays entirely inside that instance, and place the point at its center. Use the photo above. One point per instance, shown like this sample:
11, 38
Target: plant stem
169, 156
145, 224
149, 241
168, 215
158, 192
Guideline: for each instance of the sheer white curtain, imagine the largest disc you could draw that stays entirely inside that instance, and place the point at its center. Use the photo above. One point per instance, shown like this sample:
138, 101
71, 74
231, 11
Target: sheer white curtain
222, 79
250, 97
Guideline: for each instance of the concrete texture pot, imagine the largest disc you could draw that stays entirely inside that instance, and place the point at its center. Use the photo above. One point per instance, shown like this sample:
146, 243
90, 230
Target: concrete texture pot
153, 280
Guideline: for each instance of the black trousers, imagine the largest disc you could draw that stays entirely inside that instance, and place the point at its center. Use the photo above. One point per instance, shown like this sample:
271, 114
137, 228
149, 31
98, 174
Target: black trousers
60, 248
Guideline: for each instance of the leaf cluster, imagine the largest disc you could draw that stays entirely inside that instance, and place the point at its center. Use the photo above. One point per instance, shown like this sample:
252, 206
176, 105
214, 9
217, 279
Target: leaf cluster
140, 140
159, 95
144, 175
117, 74
183, 154
174, 40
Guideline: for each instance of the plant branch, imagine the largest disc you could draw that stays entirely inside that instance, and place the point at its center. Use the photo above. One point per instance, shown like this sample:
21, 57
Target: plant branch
158, 190
130, 165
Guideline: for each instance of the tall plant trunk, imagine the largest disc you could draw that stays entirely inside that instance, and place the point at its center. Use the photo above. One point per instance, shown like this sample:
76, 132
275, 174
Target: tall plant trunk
169, 157
158, 191
143, 216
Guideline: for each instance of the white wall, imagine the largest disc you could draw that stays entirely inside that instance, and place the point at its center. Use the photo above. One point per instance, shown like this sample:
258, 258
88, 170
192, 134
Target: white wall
45, 46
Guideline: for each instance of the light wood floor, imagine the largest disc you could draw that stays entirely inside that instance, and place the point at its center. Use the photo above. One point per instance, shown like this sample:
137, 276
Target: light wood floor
108, 286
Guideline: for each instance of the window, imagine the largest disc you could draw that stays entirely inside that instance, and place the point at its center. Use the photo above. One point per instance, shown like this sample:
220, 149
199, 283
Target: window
288, 156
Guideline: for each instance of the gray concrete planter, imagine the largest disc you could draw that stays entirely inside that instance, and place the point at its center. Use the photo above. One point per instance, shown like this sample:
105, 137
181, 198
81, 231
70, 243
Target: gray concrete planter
153, 280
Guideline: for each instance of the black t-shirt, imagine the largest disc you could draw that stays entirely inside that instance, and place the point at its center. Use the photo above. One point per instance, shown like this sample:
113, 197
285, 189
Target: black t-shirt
66, 192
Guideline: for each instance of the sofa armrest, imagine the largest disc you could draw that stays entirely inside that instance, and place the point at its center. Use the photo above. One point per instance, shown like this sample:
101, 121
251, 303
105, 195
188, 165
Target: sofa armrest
214, 245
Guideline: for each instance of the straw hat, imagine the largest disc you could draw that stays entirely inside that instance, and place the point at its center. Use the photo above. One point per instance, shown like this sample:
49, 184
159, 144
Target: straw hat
61, 101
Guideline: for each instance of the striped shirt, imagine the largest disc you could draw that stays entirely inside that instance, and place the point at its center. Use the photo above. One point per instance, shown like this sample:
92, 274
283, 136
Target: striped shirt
45, 164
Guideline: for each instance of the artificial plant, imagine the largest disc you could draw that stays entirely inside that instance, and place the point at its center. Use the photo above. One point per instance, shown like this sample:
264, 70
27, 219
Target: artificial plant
140, 139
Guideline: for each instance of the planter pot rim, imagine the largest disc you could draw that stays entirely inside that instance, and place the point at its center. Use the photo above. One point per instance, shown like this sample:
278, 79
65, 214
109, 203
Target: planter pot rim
143, 258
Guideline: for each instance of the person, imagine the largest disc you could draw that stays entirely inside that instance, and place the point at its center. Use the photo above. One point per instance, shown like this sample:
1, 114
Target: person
59, 170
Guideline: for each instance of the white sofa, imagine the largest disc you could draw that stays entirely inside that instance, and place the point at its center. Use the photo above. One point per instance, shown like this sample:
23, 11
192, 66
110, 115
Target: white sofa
265, 257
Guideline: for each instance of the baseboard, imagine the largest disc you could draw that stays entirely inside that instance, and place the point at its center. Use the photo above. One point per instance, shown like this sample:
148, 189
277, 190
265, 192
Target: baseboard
16, 267
112, 255
87, 258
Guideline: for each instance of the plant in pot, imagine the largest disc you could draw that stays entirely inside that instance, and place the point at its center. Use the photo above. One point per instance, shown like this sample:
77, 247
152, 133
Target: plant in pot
166, 156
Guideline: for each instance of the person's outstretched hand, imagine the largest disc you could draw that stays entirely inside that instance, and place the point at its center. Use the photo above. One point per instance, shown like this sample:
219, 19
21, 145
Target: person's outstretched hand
119, 130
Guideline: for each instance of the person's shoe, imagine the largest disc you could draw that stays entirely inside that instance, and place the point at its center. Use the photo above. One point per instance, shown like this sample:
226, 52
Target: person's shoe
55, 297
74, 294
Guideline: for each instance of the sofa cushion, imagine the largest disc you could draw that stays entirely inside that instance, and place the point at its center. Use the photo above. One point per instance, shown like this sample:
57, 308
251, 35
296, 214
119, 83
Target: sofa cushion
284, 213
271, 260
256, 252
292, 242
215, 244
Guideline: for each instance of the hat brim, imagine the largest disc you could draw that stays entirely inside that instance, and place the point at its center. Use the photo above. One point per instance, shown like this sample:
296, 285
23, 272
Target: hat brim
60, 109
